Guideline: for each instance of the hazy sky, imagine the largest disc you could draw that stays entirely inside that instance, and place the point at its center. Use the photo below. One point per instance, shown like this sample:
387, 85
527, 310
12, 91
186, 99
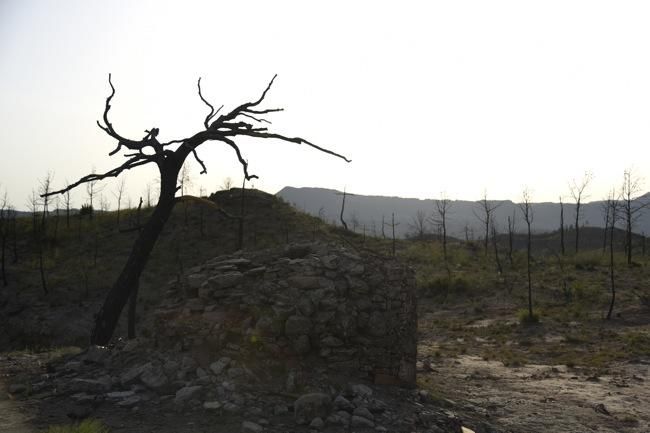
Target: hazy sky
424, 97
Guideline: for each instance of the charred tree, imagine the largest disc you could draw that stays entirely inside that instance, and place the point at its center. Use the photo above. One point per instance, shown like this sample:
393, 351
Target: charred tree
632, 206
4, 211
486, 209
577, 189
118, 194
495, 245
562, 247
441, 211
419, 224
527, 211
343, 223
246, 120
511, 234
614, 211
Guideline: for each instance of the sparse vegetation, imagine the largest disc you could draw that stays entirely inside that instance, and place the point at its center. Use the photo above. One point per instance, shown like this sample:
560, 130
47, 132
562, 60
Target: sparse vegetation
85, 426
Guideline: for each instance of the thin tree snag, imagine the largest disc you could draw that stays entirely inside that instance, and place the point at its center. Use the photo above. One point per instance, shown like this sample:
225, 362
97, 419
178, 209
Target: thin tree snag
244, 120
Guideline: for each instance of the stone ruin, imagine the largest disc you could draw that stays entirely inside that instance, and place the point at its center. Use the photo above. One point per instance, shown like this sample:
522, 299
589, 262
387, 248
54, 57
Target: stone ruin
316, 304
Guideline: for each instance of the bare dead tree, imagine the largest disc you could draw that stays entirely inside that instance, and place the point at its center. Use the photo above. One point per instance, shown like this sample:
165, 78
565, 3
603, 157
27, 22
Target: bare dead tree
383, 225
606, 209
4, 210
419, 224
246, 120
14, 233
345, 226
119, 194
185, 179
32, 204
577, 189
242, 214
104, 204
227, 184
44, 188
527, 210
441, 209
201, 211
67, 202
614, 203
355, 221
495, 245
562, 248
486, 209
393, 224
632, 206
41, 234
511, 233
57, 203
92, 189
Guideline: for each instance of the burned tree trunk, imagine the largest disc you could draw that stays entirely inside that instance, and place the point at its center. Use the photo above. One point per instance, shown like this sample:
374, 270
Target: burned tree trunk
127, 281
562, 248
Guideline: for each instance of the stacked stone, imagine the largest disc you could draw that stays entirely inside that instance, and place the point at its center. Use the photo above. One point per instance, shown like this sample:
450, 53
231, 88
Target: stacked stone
354, 314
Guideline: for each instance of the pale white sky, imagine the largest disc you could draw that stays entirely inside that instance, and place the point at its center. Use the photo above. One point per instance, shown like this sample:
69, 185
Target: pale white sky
424, 97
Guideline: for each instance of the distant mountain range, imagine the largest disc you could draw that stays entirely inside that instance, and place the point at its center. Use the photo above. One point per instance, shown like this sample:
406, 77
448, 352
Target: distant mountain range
369, 210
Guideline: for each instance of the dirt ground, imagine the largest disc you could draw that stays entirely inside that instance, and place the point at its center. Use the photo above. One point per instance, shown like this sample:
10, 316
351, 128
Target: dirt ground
543, 398
471, 367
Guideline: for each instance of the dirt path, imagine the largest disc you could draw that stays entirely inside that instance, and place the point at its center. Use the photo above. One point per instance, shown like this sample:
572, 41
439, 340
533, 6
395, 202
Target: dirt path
539, 398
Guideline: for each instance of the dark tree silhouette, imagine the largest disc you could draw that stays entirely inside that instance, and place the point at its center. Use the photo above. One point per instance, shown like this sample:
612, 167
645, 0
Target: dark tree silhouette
118, 194
562, 248
442, 206
343, 223
419, 224
4, 230
632, 206
527, 211
511, 232
614, 210
487, 208
246, 120
578, 193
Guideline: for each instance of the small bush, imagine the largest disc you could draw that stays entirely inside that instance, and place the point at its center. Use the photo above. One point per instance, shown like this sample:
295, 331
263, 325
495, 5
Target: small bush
85, 426
444, 286
588, 261
527, 319
86, 209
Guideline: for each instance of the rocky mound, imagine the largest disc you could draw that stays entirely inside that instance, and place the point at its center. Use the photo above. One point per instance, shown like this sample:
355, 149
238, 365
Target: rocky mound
314, 303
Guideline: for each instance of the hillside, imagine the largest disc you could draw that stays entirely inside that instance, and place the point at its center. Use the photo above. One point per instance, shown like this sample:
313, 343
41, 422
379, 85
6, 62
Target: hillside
83, 260
369, 210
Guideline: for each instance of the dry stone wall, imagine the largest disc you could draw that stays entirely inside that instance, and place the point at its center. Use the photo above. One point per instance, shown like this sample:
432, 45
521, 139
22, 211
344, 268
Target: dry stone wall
353, 314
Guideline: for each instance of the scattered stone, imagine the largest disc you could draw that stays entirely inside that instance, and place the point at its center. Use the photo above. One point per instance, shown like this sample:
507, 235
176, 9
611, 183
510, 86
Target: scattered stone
130, 402
364, 413
301, 345
280, 409
154, 377
187, 393
212, 405
317, 423
120, 394
343, 403
310, 406
297, 325
217, 367
96, 354
361, 390
358, 421
132, 374
251, 427
600, 408
93, 386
